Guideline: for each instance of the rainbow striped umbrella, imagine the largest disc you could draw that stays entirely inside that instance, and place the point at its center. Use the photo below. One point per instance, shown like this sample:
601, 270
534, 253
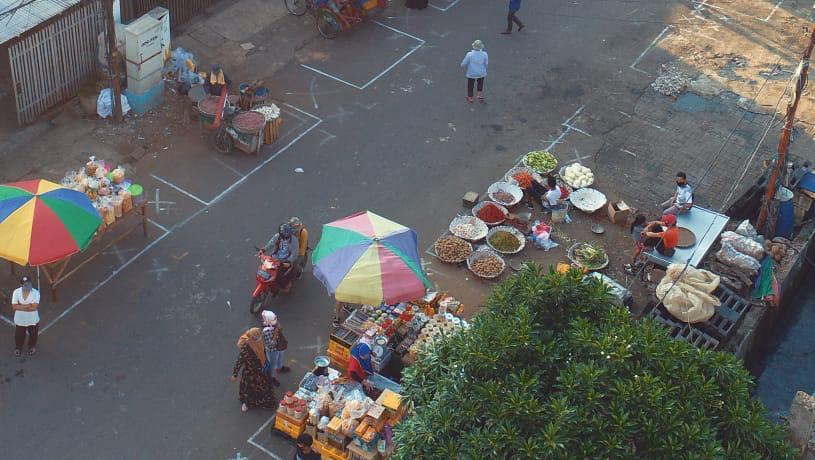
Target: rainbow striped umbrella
42, 222
367, 259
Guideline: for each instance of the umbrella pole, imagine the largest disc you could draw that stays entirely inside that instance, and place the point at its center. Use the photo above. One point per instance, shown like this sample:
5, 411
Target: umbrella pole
38, 279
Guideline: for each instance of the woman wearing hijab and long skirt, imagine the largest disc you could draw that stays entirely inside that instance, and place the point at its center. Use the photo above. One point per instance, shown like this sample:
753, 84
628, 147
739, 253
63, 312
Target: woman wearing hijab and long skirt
275, 344
255, 387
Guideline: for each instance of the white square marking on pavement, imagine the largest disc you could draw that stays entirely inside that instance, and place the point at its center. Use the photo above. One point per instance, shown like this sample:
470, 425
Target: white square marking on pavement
377, 77
452, 4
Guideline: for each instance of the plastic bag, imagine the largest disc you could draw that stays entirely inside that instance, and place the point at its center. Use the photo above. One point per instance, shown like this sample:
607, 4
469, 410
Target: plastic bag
687, 296
745, 228
104, 104
728, 255
744, 244
541, 236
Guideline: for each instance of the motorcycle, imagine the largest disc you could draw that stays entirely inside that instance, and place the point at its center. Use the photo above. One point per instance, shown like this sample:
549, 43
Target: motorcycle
271, 270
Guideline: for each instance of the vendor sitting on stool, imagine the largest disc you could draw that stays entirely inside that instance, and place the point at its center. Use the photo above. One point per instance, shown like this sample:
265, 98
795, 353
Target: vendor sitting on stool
551, 199
360, 366
664, 240
216, 80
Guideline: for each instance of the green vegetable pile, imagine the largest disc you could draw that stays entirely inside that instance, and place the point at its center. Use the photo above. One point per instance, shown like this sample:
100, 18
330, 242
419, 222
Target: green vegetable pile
540, 161
504, 241
590, 255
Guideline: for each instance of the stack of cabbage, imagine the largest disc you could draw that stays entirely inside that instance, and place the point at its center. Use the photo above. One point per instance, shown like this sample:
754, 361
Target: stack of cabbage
578, 175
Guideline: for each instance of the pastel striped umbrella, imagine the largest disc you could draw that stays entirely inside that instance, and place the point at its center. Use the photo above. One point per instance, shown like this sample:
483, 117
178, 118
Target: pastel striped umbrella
367, 259
42, 222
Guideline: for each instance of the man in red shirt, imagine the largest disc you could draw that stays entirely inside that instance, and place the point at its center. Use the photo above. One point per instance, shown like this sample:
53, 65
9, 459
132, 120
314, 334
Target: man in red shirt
664, 233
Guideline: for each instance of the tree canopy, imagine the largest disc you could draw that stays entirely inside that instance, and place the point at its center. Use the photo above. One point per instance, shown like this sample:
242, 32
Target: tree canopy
551, 369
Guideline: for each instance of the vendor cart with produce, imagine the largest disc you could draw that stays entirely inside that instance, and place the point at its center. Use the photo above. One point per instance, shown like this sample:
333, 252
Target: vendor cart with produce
334, 16
247, 128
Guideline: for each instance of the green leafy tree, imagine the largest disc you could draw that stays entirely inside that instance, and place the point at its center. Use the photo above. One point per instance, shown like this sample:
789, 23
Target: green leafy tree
551, 369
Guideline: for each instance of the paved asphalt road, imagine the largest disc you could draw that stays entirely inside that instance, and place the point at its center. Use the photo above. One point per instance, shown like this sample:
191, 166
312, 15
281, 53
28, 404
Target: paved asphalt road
139, 369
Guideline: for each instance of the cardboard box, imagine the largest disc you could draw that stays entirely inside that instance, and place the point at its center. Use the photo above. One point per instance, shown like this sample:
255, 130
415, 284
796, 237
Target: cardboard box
470, 199
618, 212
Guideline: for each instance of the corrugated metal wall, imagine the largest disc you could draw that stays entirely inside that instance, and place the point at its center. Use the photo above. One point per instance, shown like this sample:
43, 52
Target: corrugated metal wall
50, 64
181, 11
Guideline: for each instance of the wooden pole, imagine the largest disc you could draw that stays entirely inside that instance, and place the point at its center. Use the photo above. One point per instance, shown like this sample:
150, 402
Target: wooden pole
784, 141
114, 62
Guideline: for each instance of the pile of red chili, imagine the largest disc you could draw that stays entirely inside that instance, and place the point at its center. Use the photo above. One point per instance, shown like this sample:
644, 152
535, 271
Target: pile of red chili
524, 179
490, 213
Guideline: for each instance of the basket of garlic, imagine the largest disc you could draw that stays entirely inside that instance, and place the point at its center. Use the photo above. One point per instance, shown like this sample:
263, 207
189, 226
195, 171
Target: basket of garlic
577, 175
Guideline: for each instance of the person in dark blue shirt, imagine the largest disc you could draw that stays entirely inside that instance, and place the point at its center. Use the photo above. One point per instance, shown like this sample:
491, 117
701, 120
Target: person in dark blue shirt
514, 6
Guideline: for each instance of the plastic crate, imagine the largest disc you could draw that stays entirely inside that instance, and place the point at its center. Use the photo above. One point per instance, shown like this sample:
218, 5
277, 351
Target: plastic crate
289, 426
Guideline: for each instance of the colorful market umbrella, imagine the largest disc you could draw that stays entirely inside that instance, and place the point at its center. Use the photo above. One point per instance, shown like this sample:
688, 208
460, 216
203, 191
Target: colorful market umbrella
367, 259
42, 222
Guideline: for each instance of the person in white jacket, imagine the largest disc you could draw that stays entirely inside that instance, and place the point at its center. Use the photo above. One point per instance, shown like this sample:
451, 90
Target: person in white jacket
476, 62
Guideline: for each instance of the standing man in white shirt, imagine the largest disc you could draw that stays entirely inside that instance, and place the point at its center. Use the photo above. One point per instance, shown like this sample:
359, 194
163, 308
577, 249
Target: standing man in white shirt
682, 199
25, 300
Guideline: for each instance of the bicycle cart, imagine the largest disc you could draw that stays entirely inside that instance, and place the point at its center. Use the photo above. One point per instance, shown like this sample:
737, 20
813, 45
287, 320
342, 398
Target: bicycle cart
334, 16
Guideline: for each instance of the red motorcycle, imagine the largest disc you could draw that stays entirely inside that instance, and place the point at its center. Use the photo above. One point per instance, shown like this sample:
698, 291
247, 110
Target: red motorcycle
270, 271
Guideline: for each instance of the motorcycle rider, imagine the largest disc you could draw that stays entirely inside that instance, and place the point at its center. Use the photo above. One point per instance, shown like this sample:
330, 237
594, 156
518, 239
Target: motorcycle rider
301, 233
284, 246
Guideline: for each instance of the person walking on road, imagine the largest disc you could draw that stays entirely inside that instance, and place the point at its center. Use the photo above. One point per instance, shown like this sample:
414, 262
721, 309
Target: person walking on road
274, 344
301, 232
256, 387
25, 300
514, 7
476, 62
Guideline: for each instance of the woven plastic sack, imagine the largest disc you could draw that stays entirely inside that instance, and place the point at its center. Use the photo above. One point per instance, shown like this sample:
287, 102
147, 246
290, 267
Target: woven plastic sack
744, 245
688, 299
728, 255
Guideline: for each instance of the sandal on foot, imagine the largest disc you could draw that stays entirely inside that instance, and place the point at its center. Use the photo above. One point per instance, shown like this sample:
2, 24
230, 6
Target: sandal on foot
469, 99
520, 27
17, 353
244, 408
32, 351
284, 369
506, 32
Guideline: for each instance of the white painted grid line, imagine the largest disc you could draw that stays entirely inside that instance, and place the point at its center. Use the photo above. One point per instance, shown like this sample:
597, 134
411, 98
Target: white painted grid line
330, 76
252, 441
177, 188
105, 281
633, 66
642, 55
264, 163
163, 228
378, 76
777, 5
445, 8
169, 231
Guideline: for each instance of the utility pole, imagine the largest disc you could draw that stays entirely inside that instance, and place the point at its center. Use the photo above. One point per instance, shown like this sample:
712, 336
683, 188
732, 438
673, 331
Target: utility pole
784, 141
114, 62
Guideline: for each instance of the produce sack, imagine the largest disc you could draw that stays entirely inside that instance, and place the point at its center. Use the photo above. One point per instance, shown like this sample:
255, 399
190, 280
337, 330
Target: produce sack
744, 244
688, 298
728, 255
745, 228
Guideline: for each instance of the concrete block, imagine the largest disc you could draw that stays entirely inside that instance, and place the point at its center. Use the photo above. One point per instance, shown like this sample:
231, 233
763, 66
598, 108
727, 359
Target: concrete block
801, 420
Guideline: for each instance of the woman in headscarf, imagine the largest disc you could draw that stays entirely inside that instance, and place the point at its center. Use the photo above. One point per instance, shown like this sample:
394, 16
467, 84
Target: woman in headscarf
256, 387
274, 342
360, 366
